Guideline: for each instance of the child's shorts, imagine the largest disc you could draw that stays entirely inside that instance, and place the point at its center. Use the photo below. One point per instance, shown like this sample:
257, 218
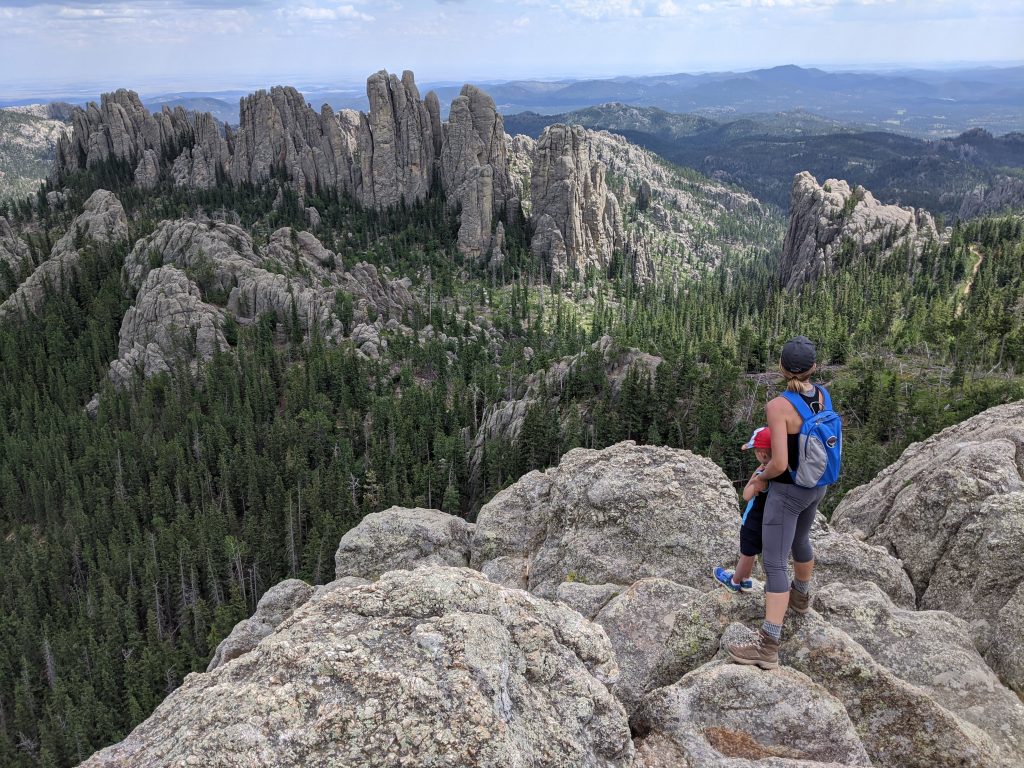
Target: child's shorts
750, 530
750, 539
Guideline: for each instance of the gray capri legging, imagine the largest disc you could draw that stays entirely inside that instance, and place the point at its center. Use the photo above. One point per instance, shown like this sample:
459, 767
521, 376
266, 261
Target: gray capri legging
788, 515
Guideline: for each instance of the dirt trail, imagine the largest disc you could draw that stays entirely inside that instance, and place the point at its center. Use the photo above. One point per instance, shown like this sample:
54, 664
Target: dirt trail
970, 281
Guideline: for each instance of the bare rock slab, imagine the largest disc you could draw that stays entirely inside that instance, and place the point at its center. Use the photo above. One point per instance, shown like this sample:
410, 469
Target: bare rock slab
724, 710
436, 666
615, 516
401, 538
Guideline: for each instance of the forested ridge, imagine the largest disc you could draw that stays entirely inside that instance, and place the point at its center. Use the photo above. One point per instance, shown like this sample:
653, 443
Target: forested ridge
131, 543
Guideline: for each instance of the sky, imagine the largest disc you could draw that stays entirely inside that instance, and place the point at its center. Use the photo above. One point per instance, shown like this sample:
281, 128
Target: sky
167, 45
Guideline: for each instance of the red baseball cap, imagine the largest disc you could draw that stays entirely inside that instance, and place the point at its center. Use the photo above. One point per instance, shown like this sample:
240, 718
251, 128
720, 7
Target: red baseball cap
761, 438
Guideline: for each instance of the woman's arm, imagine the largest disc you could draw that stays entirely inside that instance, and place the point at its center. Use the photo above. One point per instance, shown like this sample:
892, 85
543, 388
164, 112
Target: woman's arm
776, 412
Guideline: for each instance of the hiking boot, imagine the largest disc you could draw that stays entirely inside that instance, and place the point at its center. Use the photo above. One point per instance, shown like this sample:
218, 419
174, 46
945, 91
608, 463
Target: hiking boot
798, 601
724, 577
761, 650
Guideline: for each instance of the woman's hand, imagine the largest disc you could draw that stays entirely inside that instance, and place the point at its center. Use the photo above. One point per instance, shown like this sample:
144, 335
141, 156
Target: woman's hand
755, 485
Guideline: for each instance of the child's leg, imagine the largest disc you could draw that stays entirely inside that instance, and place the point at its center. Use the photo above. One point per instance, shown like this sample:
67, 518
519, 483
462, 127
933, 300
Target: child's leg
744, 567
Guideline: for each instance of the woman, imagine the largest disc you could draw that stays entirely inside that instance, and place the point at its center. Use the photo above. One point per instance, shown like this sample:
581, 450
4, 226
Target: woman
789, 511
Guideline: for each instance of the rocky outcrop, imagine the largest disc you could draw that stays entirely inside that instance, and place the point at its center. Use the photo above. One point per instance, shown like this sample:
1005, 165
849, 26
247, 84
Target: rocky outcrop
1004, 194
101, 222
933, 651
147, 172
722, 711
570, 200
168, 326
574, 183
899, 723
443, 666
120, 128
207, 162
952, 508
396, 142
400, 538
277, 604
840, 557
923, 735
639, 622
519, 152
597, 200
824, 218
190, 275
435, 666
279, 134
234, 276
504, 420
614, 516
14, 251
474, 168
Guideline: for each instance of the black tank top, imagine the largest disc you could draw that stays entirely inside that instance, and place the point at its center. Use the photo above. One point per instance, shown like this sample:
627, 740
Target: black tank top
813, 401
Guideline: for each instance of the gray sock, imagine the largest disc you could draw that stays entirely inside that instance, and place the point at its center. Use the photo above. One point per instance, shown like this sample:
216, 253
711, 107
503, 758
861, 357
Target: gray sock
775, 630
803, 587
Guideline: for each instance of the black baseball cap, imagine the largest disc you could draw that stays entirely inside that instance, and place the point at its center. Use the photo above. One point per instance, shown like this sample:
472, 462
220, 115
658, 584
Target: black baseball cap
799, 355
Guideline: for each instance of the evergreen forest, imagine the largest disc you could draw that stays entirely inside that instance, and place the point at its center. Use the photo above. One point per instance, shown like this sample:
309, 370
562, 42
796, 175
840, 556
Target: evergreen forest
132, 541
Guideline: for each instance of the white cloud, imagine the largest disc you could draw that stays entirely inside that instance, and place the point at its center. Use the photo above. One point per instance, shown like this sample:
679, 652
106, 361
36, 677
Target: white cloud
604, 9
329, 13
522, 21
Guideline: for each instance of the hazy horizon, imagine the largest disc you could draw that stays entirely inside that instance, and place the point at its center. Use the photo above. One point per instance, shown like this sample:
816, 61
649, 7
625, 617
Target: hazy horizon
173, 84
162, 46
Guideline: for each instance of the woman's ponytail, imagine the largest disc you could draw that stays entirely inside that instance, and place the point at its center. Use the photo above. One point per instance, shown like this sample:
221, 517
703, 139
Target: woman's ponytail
797, 382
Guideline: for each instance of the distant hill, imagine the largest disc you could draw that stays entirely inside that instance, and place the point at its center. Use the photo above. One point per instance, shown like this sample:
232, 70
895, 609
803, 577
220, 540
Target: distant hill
923, 103
763, 153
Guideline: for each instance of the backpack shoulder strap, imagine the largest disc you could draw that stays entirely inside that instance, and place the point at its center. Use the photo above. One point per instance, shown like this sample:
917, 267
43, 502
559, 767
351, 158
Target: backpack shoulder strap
826, 398
801, 406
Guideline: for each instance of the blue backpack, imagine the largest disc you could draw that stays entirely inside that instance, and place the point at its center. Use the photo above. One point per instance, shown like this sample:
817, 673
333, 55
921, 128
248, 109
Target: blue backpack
820, 442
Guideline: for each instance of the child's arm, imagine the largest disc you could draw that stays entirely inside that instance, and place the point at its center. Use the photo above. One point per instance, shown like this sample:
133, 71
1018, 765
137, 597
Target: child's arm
755, 484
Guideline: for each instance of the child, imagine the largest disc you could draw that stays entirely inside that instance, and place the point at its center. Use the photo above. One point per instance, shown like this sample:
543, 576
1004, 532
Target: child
755, 494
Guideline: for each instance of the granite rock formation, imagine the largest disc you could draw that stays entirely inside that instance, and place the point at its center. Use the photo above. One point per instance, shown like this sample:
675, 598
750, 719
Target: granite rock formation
396, 142
13, 250
1004, 194
169, 325
952, 508
207, 162
119, 128
724, 710
474, 168
190, 276
613, 516
504, 420
277, 604
575, 184
598, 201
400, 538
932, 650
899, 722
435, 666
639, 621
823, 218
578, 219
441, 665
102, 222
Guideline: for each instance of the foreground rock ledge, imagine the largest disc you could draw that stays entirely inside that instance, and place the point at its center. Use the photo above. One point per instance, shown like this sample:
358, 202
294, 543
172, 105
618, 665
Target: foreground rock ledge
435, 666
